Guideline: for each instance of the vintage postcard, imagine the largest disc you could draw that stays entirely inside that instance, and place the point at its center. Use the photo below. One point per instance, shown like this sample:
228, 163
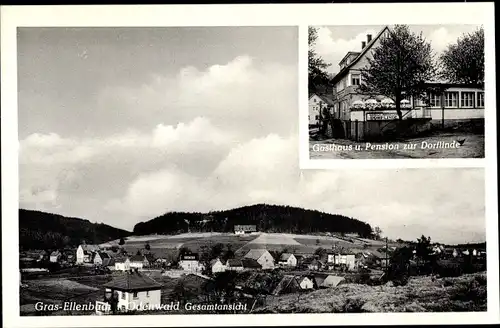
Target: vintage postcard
151, 176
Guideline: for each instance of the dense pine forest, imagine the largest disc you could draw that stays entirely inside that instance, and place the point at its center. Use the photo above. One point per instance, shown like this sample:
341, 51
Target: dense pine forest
268, 218
40, 230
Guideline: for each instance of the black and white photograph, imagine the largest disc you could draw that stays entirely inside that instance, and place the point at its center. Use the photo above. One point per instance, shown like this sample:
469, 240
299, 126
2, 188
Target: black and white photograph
151, 172
195, 203
396, 92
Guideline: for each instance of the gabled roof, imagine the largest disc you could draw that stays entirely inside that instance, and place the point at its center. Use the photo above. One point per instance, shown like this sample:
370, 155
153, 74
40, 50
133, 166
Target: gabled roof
234, 263
343, 71
251, 263
214, 261
311, 260
121, 258
104, 255
356, 53
137, 258
327, 98
332, 281
55, 253
287, 284
130, 281
285, 256
90, 248
256, 253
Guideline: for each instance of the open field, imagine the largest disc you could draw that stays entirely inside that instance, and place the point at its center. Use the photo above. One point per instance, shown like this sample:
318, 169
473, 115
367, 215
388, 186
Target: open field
421, 294
298, 243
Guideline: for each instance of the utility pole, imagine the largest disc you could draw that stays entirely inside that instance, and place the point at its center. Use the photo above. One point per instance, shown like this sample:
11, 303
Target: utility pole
386, 259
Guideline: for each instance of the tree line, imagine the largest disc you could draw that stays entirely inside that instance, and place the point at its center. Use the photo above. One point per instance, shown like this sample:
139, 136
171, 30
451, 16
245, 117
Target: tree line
268, 218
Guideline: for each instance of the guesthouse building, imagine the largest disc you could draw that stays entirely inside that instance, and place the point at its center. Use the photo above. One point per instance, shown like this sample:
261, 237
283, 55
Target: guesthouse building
365, 116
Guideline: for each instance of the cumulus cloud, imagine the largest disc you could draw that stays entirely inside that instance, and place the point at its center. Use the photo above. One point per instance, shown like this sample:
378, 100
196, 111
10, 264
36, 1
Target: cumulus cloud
240, 96
334, 49
441, 38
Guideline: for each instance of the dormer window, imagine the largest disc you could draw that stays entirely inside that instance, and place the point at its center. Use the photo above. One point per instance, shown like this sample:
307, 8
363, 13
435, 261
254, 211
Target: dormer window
355, 79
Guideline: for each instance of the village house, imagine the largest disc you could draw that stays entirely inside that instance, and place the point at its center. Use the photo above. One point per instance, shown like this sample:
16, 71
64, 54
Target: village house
305, 282
244, 229
344, 259
36, 255
288, 259
138, 261
190, 262
85, 253
312, 264
55, 256
262, 256
132, 289
318, 103
234, 265
102, 258
361, 115
122, 263
217, 266
287, 285
325, 280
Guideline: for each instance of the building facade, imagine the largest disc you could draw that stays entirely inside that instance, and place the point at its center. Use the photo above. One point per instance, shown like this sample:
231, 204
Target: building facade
288, 259
190, 263
263, 257
364, 116
134, 291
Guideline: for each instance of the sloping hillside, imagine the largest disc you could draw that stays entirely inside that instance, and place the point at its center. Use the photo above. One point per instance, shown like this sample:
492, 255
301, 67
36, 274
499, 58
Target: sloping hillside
40, 230
268, 218
421, 294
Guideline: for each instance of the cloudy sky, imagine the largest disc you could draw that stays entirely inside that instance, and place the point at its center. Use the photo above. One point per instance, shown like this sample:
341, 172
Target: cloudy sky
121, 125
334, 42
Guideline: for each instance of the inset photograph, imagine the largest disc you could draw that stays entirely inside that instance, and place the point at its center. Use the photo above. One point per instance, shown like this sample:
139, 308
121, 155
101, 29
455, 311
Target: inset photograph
396, 91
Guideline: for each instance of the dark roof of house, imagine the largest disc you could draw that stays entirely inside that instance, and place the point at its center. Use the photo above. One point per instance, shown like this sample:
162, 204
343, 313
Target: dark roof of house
287, 283
344, 71
132, 280
55, 253
251, 263
104, 255
285, 256
356, 53
327, 98
137, 258
212, 262
90, 248
256, 253
311, 260
234, 263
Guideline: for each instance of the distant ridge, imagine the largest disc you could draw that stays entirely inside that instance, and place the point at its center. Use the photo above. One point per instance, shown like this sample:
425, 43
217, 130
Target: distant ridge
267, 218
41, 230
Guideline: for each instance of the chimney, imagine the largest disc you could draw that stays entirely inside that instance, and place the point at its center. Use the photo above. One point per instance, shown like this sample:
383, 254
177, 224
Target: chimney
368, 38
363, 45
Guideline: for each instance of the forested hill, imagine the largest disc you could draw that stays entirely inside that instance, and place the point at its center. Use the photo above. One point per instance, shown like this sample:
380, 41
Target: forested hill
267, 218
40, 230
